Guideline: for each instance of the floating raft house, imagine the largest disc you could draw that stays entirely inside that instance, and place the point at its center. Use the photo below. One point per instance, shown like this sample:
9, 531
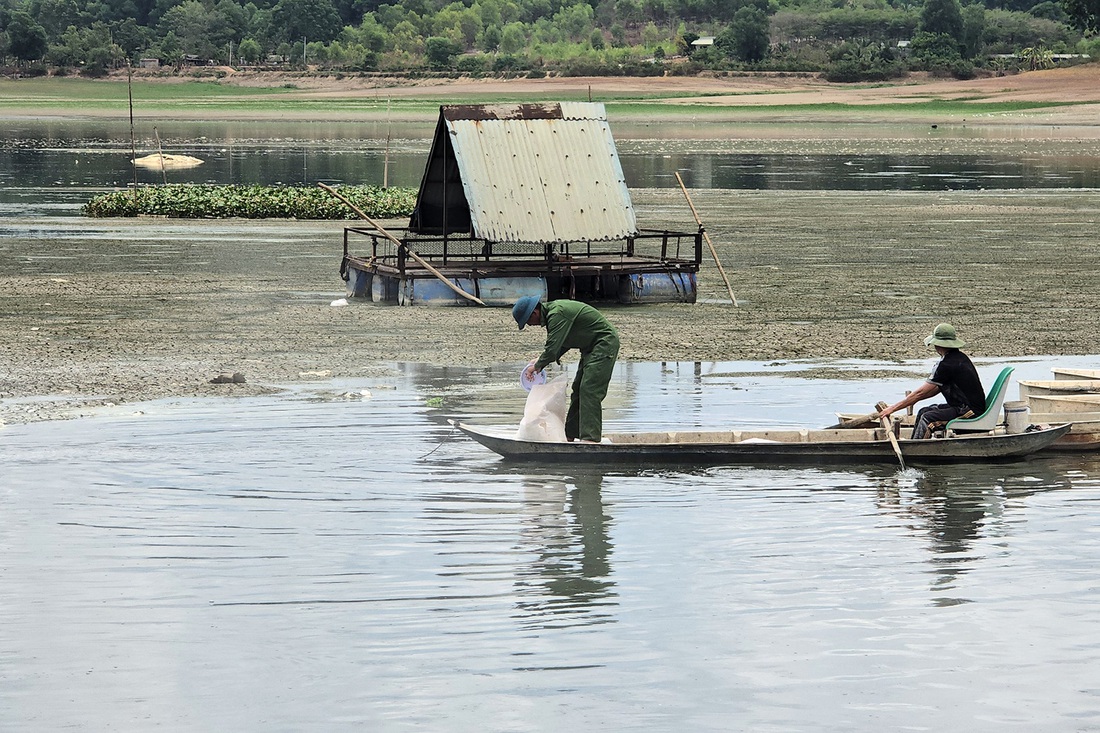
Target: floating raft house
522, 199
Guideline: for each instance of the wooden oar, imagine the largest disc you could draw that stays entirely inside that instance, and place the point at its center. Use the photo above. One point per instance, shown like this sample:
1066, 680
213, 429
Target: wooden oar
713, 252
860, 421
420, 260
893, 440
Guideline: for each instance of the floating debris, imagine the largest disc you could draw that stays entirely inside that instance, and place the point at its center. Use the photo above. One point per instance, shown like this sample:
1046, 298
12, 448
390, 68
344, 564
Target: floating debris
166, 160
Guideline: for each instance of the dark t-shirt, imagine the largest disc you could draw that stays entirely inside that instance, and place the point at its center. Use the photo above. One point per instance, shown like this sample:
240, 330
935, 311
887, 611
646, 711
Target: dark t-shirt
958, 381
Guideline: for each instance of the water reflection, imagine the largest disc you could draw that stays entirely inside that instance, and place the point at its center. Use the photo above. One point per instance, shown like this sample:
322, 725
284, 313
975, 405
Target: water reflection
300, 555
960, 509
58, 156
566, 530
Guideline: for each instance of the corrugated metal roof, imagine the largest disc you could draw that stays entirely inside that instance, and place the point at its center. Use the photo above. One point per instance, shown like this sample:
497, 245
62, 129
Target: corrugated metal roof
540, 173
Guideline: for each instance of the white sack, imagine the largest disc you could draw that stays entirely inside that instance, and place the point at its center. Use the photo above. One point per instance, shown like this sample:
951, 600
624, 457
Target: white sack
544, 414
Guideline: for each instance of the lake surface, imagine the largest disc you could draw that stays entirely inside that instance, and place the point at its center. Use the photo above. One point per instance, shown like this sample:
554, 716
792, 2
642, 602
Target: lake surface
55, 166
337, 558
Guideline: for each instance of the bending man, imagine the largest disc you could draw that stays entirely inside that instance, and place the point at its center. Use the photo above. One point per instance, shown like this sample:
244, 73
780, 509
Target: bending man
954, 377
571, 324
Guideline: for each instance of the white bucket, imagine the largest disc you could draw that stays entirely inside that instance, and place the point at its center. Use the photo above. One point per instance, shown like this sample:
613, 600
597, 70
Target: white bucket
1017, 417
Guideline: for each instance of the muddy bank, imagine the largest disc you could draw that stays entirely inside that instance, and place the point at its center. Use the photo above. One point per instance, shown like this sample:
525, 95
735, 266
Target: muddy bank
125, 311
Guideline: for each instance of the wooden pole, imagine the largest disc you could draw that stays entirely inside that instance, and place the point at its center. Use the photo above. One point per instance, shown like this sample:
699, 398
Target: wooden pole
160, 152
706, 236
420, 260
893, 440
130, 95
386, 162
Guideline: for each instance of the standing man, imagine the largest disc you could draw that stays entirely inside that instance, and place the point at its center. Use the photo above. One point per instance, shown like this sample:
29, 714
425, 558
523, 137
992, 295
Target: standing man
954, 377
571, 324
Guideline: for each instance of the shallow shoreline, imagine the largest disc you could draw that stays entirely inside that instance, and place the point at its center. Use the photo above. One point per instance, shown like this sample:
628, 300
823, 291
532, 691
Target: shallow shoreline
819, 276
134, 310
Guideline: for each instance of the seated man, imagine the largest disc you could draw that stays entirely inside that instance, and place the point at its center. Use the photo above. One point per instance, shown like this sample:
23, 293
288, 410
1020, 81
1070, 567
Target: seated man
954, 377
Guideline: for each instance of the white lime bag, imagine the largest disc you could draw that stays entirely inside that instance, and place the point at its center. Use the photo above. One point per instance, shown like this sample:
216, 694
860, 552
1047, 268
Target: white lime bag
544, 414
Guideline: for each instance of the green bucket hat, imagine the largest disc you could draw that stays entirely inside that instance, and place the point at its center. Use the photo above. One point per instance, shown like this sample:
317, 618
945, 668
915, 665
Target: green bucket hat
523, 309
945, 336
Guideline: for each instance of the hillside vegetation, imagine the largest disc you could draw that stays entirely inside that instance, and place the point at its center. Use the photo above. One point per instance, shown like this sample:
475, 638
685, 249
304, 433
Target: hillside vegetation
849, 41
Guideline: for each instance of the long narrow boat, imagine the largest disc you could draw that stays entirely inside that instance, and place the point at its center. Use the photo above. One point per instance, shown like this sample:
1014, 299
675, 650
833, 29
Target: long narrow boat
1084, 432
1074, 373
772, 447
1064, 403
1083, 435
1031, 387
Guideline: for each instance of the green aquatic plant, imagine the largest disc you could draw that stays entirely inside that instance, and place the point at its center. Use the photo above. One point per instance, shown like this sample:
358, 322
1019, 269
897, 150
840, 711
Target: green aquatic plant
188, 201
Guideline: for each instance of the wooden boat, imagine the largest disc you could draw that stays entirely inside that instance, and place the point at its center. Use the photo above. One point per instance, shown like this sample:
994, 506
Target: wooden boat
1061, 373
1030, 387
1064, 403
773, 447
1084, 432
1083, 435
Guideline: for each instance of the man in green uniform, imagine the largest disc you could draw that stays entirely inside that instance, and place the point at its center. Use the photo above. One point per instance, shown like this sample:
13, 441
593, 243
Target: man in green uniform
571, 324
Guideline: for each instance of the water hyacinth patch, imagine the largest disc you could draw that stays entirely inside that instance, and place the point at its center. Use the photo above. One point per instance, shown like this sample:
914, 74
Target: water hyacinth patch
193, 201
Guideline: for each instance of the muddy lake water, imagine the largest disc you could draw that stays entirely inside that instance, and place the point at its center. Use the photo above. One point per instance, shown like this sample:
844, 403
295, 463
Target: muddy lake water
335, 557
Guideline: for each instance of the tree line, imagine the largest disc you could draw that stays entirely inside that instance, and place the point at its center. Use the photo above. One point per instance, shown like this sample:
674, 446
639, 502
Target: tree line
847, 39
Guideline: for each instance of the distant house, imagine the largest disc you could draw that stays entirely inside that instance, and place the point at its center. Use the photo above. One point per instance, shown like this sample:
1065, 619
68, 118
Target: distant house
703, 41
149, 63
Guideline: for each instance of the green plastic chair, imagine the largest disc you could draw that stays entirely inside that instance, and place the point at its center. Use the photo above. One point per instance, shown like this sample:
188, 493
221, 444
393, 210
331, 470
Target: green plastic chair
989, 419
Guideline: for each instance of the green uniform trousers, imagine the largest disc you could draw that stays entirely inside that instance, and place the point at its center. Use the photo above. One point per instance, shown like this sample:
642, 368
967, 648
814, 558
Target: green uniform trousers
584, 419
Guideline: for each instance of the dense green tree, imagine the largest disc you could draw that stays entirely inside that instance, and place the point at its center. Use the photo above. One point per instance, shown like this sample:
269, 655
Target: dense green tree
512, 39
935, 51
57, 15
843, 37
369, 34
489, 40
201, 31
862, 61
441, 52
314, 20
1010, 32
973, 34
575, 21
942, 17
406, 39
1083, 14
26, 38
249, 50
618, 35
169, 50
746, 38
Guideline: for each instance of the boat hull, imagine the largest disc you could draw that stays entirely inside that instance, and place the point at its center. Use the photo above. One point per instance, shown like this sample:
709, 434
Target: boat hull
1064, 373
771, 447
1038, 388
1064, 403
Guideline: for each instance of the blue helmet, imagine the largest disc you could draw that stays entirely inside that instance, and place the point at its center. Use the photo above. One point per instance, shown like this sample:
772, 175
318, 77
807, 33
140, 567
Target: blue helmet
523, 309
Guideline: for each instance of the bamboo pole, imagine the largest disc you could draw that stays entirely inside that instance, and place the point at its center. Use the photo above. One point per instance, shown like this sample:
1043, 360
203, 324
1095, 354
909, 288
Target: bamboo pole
130, 96
706, 236
160, 152
420, 260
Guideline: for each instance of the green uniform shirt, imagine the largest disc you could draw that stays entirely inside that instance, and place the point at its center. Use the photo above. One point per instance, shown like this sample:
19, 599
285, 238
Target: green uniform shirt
571, 324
